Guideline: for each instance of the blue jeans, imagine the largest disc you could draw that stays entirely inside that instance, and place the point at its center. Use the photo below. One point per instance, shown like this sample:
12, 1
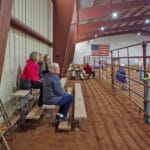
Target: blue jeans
65, 103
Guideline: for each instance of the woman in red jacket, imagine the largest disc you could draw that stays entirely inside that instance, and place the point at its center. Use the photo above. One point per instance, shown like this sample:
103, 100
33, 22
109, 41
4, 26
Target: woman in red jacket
31, 72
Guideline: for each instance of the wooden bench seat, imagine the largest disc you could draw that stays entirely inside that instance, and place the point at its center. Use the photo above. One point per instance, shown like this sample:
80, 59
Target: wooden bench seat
13, 120
63, 81
21, 93
35, 113
64, 124
24, 98
79, 105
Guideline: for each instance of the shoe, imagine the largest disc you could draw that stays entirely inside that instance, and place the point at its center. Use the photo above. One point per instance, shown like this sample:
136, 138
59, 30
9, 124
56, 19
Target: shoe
60, 117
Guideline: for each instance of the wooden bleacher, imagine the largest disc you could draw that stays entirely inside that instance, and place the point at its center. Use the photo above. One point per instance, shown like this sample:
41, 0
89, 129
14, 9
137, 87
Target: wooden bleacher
79, 105
23, 95
36, 112
64, 124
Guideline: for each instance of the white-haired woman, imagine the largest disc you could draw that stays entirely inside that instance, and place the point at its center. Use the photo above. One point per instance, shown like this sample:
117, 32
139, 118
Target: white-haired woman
54, 94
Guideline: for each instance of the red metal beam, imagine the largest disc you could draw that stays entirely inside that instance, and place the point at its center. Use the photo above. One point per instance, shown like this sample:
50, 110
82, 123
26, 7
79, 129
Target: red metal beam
63, 12
86, 38
96, 25
70, 49
124, 28
145, 32
18, 24
103, 10
5, 14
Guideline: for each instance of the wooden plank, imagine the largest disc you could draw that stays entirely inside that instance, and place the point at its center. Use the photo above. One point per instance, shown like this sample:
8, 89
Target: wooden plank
79, 111
64, 126
48, 106
63, 81
21, 93
70, 90
35, 113
13, 120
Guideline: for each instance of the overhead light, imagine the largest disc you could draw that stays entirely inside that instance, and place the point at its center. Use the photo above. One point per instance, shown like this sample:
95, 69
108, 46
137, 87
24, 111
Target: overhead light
147, 21
114, 14
95, 35
138, 33
102, 28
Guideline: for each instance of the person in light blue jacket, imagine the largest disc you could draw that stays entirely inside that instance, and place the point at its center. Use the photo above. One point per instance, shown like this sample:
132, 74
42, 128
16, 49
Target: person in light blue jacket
54, 94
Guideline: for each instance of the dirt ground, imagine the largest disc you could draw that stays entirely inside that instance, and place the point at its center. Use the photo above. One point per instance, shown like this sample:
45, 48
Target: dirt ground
113, 123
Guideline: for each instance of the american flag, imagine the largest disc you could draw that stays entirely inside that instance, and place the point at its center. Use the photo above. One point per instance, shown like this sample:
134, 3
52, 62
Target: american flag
104, 49
100, 49
95, 49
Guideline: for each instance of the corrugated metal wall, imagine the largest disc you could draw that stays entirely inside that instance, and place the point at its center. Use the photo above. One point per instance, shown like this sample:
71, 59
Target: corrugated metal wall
38, 15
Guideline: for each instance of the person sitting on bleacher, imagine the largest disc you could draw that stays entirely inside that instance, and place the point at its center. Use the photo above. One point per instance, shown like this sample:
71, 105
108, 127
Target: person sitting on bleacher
31, 73
40, 63
89, 71
121, 77
54, 94
45, 64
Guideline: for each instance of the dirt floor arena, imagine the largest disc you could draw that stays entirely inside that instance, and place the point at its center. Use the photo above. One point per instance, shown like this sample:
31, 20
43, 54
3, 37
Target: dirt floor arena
113, 123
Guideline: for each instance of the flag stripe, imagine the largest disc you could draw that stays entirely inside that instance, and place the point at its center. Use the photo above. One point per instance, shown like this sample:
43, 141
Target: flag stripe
100, 49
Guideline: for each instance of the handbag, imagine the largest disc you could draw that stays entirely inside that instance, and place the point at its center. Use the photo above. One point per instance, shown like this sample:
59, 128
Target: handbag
25, 84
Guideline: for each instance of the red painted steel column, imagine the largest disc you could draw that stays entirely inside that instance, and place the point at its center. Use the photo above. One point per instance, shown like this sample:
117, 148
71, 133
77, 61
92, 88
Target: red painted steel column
5, 14
70, 49
62, 17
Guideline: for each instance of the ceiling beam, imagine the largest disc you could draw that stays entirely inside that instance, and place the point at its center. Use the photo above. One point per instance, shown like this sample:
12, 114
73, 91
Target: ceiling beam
96, 25
69, 49
144, 32
5, 14
103, 10
112, 30
86, 38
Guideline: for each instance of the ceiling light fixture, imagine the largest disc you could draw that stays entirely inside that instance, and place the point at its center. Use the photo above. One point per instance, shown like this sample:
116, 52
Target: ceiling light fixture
95, 35
102, 28
114, 14
147, 21
138, 33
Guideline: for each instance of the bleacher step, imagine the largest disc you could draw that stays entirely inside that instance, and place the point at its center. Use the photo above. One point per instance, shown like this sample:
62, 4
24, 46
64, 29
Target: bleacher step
35, 113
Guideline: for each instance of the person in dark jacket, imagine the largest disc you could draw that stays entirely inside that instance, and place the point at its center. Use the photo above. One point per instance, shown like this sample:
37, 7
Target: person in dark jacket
31, 72
54, 94
40, 63
45, 64
121, 76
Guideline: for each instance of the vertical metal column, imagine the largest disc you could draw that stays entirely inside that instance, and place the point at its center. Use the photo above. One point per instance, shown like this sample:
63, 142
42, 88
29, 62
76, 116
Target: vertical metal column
112, 73
129, 73
146, 89
147, 102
